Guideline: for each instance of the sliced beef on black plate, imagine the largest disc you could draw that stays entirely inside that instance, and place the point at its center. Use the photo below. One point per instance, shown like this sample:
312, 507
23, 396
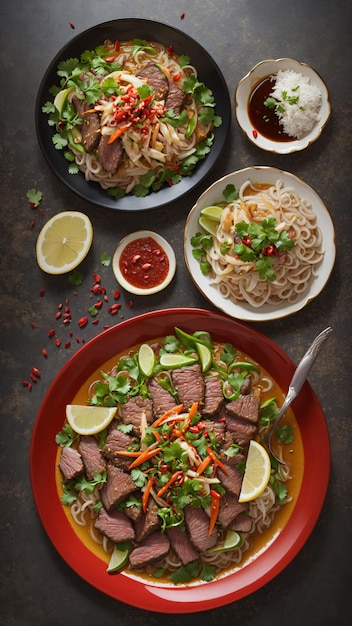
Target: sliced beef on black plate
93, 460
147, 522
118, 486
132, 411
175, 98
189, 384
197, 524
117, 440
154, 547
162, 399
90, 127
213, 396
115, 525
70, 464
155, 78
109, 154
181, 544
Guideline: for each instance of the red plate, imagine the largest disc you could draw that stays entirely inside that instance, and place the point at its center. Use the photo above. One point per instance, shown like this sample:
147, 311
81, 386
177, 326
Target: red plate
258, 571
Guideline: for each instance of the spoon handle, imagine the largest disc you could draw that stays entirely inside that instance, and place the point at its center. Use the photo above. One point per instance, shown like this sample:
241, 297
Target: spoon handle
302, 371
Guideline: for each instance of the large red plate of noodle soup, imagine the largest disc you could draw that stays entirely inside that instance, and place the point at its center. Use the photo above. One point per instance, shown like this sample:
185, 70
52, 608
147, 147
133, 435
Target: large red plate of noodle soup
257, 571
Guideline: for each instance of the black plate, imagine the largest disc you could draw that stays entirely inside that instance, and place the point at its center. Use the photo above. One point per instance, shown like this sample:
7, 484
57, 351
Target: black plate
124, 30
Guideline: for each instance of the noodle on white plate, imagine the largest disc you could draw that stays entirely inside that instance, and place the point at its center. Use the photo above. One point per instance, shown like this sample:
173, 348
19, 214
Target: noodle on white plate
238, 280
154, 145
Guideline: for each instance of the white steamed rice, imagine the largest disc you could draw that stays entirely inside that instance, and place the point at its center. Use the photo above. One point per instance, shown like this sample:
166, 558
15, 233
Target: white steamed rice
297, 119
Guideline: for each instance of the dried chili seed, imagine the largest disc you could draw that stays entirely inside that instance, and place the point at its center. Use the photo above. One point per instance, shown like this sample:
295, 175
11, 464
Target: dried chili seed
51, 332
98, 304
95, 321
29, 386
33, 378
36, 372
116, 294
77, 339
41, 292
70, 333
82, 322
106, 298
106, 326
96, 278
58, 315
44, 353
32, 224
40, 211
67, 344
182, 16
170, 51
255, 134
67, 309
103, 290
25, 383
58, 342
33, 324
59, 306
96, 289
146, 266
72, 25
67, 320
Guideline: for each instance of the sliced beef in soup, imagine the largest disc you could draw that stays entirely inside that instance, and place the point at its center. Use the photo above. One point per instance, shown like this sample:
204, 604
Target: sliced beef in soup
197, 523
135, 409
230, 508
181, 545
93, 460
213, 396
117, 440
189, 384
147, 522
70, 464
162, 399
118, 486
153, 548
115, 525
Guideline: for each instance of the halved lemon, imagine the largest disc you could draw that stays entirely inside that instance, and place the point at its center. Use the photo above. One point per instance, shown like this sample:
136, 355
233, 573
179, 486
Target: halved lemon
64, 242
118, 559
171, 361
257, 472
89, 420
146, 359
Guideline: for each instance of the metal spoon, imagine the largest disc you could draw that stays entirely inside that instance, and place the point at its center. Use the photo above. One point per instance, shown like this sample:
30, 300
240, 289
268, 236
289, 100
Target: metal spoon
297, 382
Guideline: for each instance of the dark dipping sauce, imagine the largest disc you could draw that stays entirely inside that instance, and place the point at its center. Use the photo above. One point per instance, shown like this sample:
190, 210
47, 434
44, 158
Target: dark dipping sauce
143, 263
263, 119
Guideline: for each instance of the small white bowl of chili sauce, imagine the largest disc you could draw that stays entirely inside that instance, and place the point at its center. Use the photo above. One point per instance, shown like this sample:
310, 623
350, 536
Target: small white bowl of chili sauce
260, 123
144, 263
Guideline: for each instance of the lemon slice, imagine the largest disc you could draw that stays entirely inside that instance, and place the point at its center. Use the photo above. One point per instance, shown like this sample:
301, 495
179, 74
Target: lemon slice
208, 224
213, 212
89, 420
146, 359
118, 559
205, 356
64, 242
61, 98
257, 472
174, 360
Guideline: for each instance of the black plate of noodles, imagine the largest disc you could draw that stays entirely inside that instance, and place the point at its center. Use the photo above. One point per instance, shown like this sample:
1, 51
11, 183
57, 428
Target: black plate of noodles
144, 167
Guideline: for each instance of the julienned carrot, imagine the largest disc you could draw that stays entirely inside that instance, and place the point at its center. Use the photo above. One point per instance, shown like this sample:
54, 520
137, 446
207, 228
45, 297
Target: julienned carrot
118, 132
204, 464
146, 493
126, 453
216, 460
176, 409
174, 477
191, 412
144, 456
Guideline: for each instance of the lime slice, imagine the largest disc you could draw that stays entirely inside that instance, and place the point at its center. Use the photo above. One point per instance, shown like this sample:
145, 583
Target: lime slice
118, 560
208, 224
213, 212
146, 359
232, 540
205, 356
192, 340
171, 361
61, 98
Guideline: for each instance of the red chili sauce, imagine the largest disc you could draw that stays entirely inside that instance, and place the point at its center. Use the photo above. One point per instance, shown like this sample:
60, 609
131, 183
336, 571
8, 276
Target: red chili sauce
263, 119
144, 263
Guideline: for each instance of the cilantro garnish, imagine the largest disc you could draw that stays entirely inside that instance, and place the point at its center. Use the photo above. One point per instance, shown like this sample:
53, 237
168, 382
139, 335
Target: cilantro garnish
34, 197
105, 259
286, 98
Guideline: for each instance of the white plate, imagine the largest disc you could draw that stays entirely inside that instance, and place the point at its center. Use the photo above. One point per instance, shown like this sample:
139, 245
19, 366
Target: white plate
267, 68
139, 291
242, 310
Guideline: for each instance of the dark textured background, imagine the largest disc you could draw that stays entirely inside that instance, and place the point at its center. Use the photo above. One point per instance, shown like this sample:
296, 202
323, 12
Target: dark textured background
37, 587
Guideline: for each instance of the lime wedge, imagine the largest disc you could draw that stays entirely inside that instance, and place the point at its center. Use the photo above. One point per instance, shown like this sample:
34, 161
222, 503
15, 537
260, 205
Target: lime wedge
61, 98
192, 340
232, 540
146, 359
205, 356
118, 559
171, 361
213, 212
210, 225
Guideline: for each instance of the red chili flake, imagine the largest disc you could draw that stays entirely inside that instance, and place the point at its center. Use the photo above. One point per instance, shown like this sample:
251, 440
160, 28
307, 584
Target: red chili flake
29, 386
135, 258
51, 332
106, 298
59, 306
58, 315
106, 326
33, 324
33, 378
95, 321
41, 292
110, 59
77, 339
25, 383
117, 45
44, 353
129, 304
103, 290
182, 16
170, 51
96, 289
70, 333
75, 293
40, 211
83, 340
36, 372
82, 322
67, 309
32, 224
67, 320
96, 278
146, 266
67, 344
58, 342
116, 294
98, 304
67, 301
72, 25
255, 134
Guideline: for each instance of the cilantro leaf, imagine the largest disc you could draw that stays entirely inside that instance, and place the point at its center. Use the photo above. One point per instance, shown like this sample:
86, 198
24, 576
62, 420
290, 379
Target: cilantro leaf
284, 433
76, 278
66, 437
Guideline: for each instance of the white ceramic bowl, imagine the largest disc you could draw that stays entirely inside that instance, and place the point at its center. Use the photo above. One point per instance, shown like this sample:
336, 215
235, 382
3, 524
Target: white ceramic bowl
266, 312
271, 67
120, 276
